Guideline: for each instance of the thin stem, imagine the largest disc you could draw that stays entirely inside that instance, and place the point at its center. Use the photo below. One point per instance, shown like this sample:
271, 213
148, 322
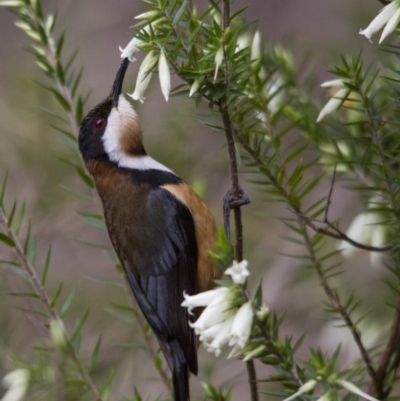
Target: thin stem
303, 222
392, 348
19, 250
333, 233
393, 344
251, 373
37, 285
233, 169
337, 305
391, 355
149, 345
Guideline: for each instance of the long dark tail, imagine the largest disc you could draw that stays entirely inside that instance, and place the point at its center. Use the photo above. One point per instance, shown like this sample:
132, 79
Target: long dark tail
180, 374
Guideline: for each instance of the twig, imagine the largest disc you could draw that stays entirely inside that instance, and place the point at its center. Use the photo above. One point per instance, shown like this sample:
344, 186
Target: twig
328, 201
337, 305
149, 345
37, 285
392, 348
391, 355
340, 233
333, 233
233, 169
303, 222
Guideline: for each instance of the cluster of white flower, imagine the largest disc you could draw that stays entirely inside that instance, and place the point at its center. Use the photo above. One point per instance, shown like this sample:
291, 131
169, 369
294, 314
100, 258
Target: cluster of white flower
389, 18
149, 62
17, 383
223, 321
145, 71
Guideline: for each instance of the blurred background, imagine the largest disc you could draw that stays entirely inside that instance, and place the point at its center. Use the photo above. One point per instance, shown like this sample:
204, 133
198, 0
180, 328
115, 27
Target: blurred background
314, 31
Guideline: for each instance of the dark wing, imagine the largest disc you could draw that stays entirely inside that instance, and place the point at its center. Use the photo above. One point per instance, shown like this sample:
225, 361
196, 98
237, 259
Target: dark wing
163, 266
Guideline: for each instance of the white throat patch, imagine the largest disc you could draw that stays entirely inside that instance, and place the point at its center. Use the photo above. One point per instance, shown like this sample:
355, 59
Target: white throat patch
119, 121
124, 121
142, 163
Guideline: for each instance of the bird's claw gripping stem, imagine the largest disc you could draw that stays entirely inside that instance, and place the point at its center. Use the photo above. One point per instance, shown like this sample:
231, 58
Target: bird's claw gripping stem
229, 203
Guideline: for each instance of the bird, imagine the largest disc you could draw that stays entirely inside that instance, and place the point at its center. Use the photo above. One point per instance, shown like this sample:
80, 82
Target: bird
159, 227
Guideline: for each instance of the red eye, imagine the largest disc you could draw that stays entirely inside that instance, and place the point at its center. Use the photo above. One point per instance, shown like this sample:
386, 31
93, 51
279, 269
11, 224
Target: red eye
99, 123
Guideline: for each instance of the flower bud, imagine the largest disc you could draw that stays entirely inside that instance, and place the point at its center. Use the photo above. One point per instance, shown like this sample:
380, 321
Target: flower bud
164, 75
57, 333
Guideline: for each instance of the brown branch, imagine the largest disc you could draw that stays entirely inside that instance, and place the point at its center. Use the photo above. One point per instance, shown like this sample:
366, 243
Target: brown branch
337, 305
333, 233
303, 222
392, 348
235, 188
390, 360
340, 233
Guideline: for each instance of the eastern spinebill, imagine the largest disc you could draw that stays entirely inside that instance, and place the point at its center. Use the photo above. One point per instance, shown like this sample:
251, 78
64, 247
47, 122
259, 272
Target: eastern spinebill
160, 229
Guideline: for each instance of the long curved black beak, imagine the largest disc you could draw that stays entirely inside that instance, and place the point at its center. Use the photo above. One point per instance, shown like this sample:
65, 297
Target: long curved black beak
119, 79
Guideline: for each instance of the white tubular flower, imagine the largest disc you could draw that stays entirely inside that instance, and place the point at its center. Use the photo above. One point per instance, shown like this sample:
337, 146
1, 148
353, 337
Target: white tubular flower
235, 353
242, 42
305, 388
195, 87
143, 77
326, 397
218, 61
262, 312
389, 16
164, 75
260, 350
391, 25
17, 383
221, 337
222, 321
336, 101
357, 232
148, 15
241, 328
274, 93
133, 46
204, 298
256, 46
208, 335
238, 271
216, 312
334, 83
366, 229
130, 49
57, 333
355, 390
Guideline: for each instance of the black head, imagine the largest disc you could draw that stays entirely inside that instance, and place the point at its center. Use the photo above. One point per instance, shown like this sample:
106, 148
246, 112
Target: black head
95, 123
